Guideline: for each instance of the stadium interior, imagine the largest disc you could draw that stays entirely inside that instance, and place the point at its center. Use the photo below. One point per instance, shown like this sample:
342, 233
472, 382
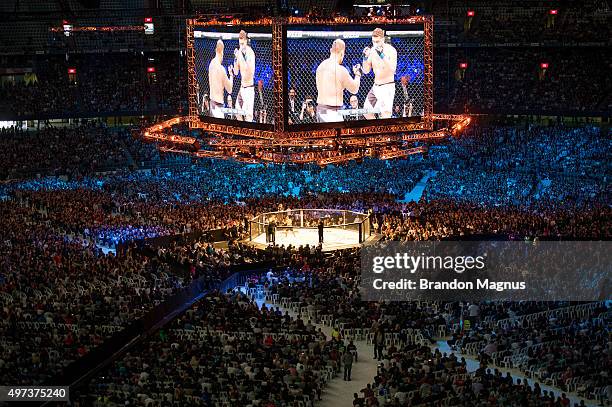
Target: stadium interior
191, 190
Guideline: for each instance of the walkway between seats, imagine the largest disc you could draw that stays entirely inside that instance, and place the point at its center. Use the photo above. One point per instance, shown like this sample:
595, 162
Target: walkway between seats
417, 191
337, 392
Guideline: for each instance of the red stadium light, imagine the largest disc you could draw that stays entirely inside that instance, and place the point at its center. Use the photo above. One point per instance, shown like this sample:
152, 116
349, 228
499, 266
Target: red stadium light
148, 19
71, 71
553, 12
151, 69
544, 65
463, 65
471, 13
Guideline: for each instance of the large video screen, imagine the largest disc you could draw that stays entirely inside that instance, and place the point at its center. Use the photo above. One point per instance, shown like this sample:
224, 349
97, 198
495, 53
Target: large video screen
339, 74
234, 73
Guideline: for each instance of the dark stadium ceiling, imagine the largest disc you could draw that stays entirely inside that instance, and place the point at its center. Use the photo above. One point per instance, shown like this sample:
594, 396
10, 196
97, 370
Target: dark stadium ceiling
162, 6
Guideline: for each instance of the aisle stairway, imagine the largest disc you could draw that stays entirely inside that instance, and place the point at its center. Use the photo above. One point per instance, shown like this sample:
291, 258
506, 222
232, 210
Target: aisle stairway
337, 392
417, 191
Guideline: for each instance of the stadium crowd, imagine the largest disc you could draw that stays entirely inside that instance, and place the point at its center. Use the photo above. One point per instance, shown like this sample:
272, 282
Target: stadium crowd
555, 346
535, 174
225, 350
62, 296
497, 22
497, 80
97, 226
323, 289
70, 151
92, 91
74, 296
511, 80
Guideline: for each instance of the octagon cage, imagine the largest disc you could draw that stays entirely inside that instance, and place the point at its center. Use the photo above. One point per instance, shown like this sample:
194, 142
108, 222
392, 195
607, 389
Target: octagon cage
342, 229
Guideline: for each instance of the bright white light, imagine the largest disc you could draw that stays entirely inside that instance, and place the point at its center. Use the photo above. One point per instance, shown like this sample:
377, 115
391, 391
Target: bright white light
348, 34
230, 36
6, 124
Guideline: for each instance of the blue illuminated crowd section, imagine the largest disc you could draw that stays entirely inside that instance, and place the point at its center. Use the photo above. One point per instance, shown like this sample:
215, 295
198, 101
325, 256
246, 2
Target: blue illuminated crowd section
252, 103
309, 46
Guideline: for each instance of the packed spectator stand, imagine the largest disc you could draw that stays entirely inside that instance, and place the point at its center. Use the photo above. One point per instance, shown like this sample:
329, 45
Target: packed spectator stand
85, 205
77, 215
502, 45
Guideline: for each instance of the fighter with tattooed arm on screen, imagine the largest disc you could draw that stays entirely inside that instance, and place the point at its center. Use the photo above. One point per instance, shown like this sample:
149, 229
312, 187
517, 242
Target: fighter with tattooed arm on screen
382, 59
218, 81
332, 78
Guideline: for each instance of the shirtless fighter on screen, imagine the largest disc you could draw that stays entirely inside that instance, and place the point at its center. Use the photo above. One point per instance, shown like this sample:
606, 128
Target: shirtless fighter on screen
218, 81
332, 79
382, 59
245, 64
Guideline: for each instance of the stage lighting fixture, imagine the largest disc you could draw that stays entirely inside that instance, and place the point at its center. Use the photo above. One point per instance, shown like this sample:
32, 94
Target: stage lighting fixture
553, 12
544, 65
471, 13
463, 65
151, 69
71, 71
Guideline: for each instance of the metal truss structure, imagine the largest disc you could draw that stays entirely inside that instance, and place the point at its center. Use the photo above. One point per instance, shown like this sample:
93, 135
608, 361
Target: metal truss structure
192, 83
389, 128
316, 145
428, 64
114, 28
391, 154
277, 66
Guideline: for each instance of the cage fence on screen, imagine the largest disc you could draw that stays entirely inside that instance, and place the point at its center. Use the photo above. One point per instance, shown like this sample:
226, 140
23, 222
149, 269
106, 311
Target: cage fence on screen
251, 96
398, 95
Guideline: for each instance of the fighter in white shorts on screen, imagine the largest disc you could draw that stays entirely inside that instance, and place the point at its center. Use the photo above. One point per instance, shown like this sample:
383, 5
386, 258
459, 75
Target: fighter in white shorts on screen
218, 81
382, 59
245, 64
332, 79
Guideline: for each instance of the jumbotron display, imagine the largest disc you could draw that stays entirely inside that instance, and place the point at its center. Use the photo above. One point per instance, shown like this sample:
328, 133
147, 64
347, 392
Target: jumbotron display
234, 73
349, 73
